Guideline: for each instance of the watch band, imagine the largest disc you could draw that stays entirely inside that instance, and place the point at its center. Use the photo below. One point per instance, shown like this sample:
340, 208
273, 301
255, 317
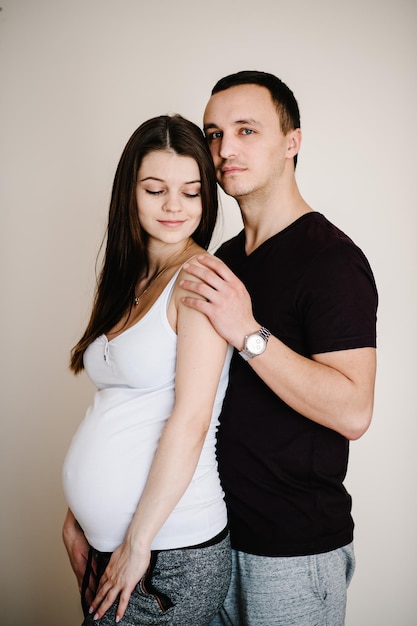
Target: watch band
264, 332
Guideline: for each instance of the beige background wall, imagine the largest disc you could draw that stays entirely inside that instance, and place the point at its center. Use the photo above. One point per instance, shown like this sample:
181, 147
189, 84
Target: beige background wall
76, 79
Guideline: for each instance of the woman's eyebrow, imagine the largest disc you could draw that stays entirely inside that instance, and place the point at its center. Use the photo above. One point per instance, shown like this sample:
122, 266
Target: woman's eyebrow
161, 180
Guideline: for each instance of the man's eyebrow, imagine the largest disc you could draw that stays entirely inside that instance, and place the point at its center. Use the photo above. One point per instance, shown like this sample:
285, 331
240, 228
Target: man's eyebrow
249, 121
210, 125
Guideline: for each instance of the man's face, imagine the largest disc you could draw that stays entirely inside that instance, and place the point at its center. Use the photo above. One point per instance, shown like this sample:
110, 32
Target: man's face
247, 145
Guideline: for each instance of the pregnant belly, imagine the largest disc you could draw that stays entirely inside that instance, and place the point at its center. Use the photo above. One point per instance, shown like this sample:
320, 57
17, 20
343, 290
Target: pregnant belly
108, 462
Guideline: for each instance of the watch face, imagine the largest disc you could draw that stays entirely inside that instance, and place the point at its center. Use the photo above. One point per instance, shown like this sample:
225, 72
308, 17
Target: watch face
255, 344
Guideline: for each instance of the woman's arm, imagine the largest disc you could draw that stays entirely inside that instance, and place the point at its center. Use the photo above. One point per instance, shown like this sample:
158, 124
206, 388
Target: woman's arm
200, 358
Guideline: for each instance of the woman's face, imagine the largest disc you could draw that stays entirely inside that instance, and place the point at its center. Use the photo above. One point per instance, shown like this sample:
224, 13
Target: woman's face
168, 196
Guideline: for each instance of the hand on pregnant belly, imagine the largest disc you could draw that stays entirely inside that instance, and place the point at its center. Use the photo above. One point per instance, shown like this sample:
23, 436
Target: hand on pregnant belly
125, 569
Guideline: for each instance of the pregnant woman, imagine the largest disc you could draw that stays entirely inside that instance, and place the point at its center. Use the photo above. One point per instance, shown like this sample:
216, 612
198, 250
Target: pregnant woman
146, 528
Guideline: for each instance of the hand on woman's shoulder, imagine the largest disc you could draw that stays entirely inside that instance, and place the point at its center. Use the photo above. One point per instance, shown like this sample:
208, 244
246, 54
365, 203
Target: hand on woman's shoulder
184, 275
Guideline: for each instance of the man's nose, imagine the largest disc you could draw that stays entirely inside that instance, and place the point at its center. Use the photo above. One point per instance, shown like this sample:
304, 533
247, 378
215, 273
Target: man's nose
228, 147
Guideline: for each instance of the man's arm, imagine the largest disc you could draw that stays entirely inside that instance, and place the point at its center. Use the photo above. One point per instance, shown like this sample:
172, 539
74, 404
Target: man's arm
334, 389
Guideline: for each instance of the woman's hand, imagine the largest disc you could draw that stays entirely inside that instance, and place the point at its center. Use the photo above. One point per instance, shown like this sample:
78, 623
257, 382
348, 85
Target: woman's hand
125, 569
77, 548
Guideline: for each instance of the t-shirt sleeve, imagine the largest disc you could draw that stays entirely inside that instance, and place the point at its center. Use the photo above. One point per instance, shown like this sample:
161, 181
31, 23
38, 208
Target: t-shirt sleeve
339, 301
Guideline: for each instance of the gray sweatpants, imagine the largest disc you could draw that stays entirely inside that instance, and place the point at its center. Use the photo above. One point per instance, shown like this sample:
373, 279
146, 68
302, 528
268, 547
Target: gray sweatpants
288, 591
183, 587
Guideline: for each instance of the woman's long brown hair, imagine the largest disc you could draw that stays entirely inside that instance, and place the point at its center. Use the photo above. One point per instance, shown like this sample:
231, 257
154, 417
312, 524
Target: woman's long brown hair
126, 255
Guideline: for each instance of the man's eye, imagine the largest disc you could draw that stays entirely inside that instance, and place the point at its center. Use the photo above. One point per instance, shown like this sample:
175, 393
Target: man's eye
215, 135
247, 131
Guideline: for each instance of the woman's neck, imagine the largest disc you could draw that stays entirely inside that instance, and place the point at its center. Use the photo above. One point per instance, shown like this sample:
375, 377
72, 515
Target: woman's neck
161, 257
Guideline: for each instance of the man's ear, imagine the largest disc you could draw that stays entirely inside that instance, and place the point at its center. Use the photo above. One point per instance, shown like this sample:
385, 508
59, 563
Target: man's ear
294, 142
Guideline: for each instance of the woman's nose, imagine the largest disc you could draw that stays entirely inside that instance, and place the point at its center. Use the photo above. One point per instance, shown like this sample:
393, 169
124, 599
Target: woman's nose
172, 204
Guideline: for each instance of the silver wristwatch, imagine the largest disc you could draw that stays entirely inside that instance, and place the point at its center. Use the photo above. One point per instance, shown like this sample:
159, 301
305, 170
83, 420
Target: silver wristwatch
255, 344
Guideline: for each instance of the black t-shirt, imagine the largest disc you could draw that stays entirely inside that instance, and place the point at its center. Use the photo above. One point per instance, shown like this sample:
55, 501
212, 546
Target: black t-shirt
282, 473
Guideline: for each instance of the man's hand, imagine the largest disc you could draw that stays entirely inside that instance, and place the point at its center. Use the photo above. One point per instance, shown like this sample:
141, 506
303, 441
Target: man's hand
226, 301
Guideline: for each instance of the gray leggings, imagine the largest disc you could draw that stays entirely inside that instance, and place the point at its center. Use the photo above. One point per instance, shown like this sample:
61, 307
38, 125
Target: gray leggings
182, 587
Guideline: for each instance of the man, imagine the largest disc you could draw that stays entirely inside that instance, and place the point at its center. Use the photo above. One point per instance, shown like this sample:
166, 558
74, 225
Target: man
298, 301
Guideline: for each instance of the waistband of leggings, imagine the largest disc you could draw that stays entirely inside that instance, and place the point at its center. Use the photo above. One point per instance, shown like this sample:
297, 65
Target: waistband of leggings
211, 542
206, 544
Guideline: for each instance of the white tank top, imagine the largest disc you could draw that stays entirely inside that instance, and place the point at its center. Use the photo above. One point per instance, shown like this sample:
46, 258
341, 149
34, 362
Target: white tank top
110, 456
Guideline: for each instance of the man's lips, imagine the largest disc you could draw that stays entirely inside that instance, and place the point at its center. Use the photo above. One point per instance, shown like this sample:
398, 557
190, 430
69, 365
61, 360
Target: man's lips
228, 170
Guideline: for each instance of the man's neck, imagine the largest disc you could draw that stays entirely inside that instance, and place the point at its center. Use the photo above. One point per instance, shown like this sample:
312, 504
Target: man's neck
265, 217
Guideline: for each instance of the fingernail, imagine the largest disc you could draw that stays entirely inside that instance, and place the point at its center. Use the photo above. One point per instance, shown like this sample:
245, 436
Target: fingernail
90, 610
